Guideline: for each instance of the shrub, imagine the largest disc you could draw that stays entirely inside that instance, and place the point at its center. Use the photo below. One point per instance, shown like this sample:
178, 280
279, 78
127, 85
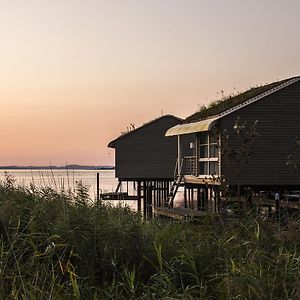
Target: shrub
53, 248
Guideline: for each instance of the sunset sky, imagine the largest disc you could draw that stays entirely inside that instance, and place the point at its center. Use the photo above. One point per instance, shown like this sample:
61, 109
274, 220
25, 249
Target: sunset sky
74, 74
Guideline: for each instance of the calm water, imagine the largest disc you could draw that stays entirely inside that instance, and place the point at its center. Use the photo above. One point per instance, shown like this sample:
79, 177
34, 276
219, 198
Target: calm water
64, 180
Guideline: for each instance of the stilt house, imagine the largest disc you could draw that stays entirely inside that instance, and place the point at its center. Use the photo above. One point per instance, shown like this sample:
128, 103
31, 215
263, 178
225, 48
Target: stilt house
275, 109
147, 159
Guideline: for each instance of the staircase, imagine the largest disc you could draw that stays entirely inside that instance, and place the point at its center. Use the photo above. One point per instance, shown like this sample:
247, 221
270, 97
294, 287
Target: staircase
175, 185
174, 188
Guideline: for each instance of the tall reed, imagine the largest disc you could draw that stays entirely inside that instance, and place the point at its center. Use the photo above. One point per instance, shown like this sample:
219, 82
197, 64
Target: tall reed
62, 246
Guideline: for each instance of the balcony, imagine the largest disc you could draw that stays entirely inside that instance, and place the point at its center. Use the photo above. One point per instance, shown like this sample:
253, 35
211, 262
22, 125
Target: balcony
190, 169
189, 166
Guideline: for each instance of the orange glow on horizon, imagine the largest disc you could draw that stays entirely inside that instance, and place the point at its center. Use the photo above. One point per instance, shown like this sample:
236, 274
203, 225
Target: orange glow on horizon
75, 74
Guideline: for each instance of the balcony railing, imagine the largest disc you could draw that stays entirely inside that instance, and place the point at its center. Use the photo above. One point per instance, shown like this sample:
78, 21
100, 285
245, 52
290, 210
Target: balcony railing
190, 165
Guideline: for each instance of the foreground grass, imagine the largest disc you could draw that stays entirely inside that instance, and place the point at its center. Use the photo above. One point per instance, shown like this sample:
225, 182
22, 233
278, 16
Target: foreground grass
56, 246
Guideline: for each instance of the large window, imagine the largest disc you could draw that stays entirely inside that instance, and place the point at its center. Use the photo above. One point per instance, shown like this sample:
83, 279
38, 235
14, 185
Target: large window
208, 154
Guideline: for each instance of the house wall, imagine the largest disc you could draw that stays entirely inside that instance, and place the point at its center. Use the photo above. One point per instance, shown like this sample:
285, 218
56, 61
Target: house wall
147, 153
278, 118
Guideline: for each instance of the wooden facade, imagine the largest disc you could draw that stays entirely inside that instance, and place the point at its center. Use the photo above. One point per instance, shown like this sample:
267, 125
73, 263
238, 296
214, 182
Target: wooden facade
147, 159
278, 126
145, 152
276, 111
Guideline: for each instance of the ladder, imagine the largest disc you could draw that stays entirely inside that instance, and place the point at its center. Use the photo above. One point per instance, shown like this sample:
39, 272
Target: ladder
175, 185
174, 188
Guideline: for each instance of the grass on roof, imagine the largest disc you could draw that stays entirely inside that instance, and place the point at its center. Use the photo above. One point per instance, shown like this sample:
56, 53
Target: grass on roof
219, 106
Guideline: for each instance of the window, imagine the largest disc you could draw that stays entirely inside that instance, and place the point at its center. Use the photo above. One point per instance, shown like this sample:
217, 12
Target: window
208, 154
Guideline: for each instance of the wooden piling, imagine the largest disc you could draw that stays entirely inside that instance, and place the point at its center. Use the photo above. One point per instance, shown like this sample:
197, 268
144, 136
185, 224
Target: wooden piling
192, 197
198, 199
98, 186
139, 201
205, 199
150, 200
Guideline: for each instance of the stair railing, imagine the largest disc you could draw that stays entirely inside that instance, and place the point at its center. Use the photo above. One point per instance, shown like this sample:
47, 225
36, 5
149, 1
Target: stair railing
177, 180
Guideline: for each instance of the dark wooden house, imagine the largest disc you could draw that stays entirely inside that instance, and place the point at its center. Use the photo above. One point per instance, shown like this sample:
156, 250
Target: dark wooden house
275, 109
145, 153
147, 159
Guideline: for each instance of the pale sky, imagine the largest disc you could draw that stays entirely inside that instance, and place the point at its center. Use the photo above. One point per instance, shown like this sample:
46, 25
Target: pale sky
74, 74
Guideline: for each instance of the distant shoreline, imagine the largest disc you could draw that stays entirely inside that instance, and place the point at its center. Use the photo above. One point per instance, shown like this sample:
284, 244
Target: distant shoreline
67, 167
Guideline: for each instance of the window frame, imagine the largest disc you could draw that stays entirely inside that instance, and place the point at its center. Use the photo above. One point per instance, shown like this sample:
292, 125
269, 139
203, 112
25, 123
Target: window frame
209, 159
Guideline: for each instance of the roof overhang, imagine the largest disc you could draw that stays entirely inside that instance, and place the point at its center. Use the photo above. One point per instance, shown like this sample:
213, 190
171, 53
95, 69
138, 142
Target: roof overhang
203, 125
113, 143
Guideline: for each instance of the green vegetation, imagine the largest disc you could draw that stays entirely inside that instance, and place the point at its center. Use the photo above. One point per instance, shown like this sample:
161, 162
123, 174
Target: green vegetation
58, 246
219, 106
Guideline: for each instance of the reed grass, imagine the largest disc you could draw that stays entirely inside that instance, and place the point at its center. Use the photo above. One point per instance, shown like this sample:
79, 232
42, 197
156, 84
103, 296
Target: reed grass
63, 246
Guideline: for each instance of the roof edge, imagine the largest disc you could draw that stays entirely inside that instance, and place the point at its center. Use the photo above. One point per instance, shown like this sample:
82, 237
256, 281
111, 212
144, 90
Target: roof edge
260, 96
278, 85
112, 143
207, 123
186, 128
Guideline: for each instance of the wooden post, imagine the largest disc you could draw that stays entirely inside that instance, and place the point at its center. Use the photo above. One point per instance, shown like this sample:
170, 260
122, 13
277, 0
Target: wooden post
189, 197
178, 154
139, 204
217, 197
150, 201
118, 186
185, 198
197, 153
159, 194
145, 199
167, 191
98, 187
202, 198
155, 193
198, 199
213, 198
192, 197
205, 197
163, 193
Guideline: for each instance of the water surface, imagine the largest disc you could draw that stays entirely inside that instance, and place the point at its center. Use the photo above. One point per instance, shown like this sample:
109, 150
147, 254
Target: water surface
64, 179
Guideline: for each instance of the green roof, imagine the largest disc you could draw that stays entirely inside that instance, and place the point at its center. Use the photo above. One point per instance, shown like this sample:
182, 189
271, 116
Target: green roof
125, 134
220, 106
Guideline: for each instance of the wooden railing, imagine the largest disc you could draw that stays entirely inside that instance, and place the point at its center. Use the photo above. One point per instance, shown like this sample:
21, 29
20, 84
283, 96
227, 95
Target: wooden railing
190, 165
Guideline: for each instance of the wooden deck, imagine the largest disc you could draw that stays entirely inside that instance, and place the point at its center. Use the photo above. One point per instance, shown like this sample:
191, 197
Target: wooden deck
117, 196
179, 213
201, 181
